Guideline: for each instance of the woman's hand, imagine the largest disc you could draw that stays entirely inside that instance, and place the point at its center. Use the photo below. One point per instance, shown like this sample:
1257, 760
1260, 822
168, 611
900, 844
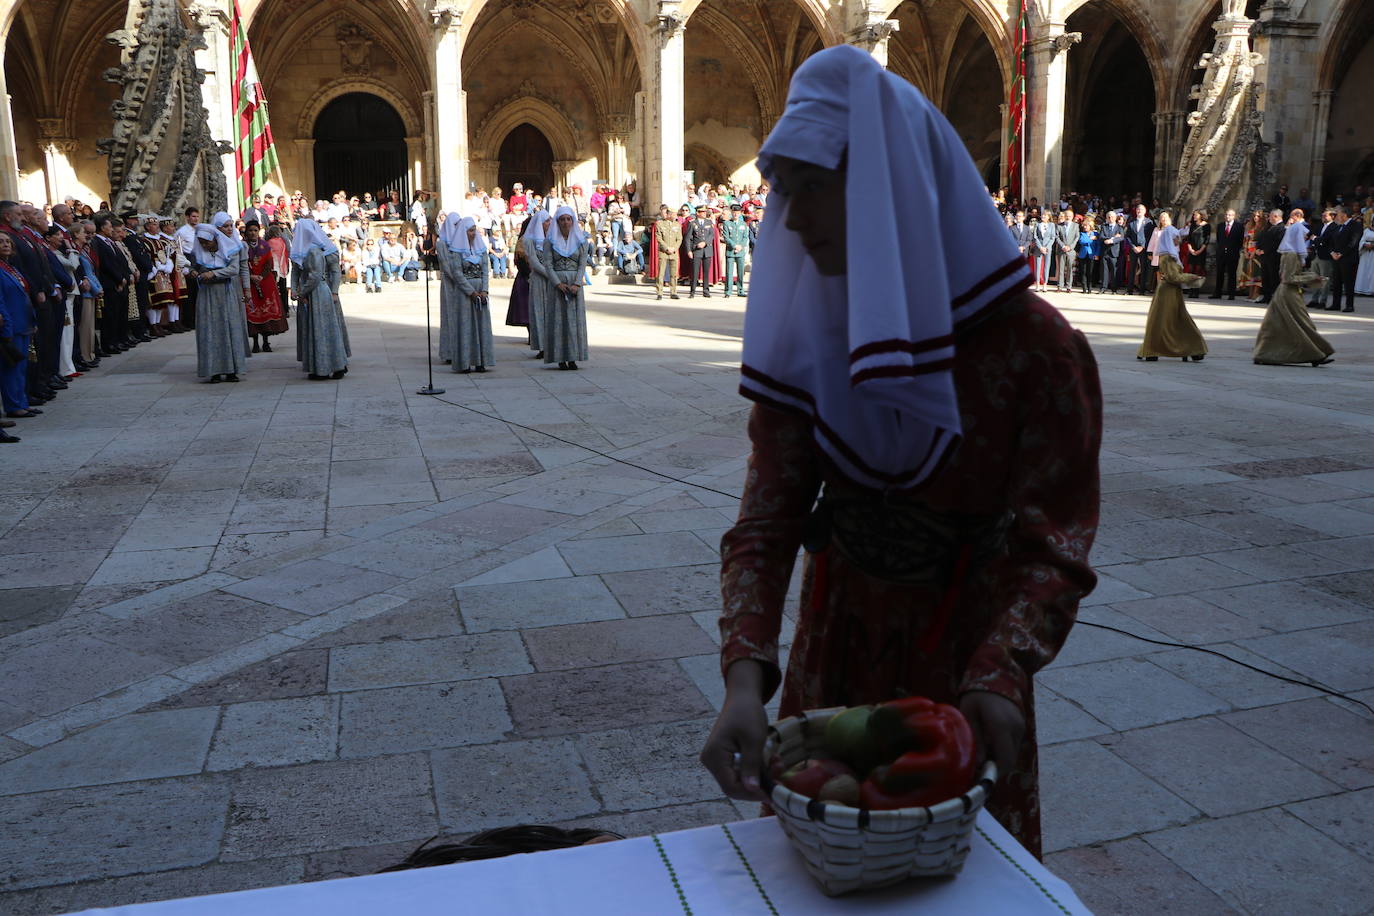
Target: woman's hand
734, 750
998, 725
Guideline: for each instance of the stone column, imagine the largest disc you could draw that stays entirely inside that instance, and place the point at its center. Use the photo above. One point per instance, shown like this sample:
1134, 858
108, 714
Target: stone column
216, 61
1048, 68
1289, 49
59, 177
484, 172
873, 37
665, 136
9, 155
1167, 125
1321, 118
562, 169
415, 161
450, 105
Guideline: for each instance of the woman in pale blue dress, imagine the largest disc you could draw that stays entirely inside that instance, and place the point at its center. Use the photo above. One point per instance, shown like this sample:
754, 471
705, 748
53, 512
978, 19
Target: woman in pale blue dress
536, 252
463, 256
451, 298
219, 263
565, 321
321, 333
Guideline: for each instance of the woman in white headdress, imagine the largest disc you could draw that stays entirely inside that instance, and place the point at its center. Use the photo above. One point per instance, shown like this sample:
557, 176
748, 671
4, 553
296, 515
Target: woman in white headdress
536, 247
1287, 336
1169, 329
934, 568
221, 272
565, 318
451, 298
463, 258
321, 332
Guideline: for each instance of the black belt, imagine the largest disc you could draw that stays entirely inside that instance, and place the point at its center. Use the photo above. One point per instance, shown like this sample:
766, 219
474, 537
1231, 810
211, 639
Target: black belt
904, 542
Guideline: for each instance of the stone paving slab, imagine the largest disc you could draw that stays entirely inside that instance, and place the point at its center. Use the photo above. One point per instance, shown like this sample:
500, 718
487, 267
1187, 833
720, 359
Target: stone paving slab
137, 747
1271, 862
105, 831
328, 805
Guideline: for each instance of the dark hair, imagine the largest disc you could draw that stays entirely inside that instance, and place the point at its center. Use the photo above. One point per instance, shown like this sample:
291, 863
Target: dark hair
190, 210
54, 229
496, 843
254, 223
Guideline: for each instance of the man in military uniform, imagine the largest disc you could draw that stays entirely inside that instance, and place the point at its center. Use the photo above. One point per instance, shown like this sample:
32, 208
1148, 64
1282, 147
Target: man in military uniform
701, 241
735, 234
667, 240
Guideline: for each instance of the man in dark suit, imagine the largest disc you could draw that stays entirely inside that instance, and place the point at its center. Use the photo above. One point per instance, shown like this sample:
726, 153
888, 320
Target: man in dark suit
1322, 264
1283, 202
1345, 258
113, 269
30, 258
143, 263
1267, 249
1111, 236
701, 242
1139, 230
1230, 241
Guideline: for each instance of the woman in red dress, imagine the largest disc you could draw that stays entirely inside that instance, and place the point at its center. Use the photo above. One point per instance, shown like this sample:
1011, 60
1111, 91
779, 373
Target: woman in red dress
266, 317
948, 420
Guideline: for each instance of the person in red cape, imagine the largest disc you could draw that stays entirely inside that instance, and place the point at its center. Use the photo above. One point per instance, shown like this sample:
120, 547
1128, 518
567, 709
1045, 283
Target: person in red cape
948, 420
266, 317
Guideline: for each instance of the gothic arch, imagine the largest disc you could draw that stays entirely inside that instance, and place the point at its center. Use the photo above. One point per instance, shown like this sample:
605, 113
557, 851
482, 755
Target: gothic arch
276, 39
506, 116
625, 11
305, 123
1133, 16
700, 152
1341, 39
815, 11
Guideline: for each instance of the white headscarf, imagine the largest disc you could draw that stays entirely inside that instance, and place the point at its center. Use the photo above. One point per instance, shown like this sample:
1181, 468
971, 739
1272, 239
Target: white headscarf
534, 232
868, 356
1295, 239
218, 258
570, 245
448, 232
477, 249
221, 219
307, 235
1165, 241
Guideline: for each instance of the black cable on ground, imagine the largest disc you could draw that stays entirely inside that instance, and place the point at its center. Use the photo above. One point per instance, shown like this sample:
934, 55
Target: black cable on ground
1086, 623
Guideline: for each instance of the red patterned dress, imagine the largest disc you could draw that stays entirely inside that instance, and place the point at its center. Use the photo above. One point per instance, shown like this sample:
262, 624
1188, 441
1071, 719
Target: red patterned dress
981, 570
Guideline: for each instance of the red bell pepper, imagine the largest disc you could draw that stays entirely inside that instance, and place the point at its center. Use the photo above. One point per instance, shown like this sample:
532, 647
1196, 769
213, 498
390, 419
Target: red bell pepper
936, 755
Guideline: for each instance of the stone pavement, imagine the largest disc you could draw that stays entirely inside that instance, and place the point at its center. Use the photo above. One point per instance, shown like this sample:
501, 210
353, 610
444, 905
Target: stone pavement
287, 630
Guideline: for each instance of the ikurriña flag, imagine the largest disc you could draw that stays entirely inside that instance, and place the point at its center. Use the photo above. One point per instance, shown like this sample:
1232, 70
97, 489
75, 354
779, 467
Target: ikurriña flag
255, 155
1016, 106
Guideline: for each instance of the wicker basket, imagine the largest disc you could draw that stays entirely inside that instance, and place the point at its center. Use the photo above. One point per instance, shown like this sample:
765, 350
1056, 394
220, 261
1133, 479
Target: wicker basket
848, 849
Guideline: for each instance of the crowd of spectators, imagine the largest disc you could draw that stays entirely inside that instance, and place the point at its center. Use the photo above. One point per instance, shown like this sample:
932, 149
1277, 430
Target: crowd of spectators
1104, 245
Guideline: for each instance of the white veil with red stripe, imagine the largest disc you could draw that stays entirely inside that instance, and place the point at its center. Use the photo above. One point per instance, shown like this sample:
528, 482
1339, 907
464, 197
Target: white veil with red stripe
868, 356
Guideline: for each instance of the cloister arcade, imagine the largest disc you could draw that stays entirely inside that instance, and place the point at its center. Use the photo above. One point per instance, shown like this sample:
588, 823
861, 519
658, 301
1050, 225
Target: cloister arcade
444, 93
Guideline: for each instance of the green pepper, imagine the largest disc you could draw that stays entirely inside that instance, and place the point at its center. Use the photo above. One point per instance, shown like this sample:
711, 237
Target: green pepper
935, 755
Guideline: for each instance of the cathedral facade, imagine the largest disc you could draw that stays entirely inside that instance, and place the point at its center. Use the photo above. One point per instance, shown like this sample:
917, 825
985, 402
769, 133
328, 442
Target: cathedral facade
130, 100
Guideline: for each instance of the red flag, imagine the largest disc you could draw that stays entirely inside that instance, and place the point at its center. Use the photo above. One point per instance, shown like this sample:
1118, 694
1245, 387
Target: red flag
255, 155
1016, 106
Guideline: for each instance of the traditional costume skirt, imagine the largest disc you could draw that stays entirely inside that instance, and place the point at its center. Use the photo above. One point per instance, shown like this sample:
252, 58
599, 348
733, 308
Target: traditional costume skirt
1169, 329
1288, 334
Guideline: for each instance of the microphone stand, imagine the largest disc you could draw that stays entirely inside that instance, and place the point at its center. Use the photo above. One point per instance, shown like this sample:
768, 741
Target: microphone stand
429, 343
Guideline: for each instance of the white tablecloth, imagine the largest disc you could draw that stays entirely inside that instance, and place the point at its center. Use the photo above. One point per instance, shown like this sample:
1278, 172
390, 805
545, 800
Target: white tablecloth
631, 878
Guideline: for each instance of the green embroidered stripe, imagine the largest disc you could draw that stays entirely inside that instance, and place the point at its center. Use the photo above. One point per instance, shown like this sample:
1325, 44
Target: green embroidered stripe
1063, 909
749, 868
672, 875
